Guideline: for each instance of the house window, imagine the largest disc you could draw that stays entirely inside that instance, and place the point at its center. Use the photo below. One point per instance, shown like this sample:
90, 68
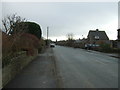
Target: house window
96, 37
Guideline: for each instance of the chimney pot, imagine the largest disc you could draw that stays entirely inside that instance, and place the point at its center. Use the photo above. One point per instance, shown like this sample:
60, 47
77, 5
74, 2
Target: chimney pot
97, 29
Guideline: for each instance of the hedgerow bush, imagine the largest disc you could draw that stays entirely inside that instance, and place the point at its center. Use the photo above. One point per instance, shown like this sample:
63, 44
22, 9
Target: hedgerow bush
105, 48
18, 43
108, 49
42, 46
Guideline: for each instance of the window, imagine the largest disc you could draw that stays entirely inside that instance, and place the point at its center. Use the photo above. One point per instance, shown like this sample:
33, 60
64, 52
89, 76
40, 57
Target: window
96, 37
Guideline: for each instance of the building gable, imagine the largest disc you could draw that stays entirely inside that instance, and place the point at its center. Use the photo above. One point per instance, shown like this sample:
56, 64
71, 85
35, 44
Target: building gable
118, 34
97, 35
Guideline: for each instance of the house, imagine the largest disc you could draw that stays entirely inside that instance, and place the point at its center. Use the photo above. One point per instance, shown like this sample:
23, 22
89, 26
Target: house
116, 43
97, 37
118, 34
0, 50
118, 39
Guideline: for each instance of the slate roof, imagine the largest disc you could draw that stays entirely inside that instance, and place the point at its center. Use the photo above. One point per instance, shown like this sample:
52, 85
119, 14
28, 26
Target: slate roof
118, 34
101, 34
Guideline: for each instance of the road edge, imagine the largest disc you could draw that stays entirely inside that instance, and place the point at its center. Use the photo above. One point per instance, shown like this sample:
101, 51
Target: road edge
56, 71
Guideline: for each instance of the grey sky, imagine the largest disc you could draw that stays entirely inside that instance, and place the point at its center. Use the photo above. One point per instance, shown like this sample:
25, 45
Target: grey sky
68, 17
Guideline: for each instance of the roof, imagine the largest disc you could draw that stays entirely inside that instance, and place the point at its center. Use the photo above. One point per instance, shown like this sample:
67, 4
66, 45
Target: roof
101, 34
118, 29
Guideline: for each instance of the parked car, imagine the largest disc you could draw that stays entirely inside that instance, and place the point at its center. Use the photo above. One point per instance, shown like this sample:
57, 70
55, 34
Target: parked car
52, 45
91, 46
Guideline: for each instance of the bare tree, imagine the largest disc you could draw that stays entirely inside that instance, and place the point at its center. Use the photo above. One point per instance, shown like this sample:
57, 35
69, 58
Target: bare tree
70, 36
11, 21
13, 25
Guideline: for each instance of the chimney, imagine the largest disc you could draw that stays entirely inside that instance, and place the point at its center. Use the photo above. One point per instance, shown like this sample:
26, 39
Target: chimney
97, 29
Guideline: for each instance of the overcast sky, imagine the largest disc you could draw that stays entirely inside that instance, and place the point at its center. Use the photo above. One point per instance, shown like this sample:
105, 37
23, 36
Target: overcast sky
68, 17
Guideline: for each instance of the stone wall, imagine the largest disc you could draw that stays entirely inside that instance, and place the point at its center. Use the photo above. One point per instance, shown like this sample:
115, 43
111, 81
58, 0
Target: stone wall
18, 63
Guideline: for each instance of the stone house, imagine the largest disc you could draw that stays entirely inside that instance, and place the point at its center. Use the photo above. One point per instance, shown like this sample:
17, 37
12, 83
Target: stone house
97, 37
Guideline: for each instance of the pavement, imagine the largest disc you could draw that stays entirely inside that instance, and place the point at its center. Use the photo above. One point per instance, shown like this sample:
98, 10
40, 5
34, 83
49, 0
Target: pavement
40, 73
116, 55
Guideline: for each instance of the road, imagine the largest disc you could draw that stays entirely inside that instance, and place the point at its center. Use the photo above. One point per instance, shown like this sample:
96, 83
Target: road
80, 68
64, 67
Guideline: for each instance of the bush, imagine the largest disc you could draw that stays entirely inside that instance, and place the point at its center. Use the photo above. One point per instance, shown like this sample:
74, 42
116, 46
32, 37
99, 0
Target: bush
28, 27
12, 44
116, 50
42, 46
7, 59
105, 48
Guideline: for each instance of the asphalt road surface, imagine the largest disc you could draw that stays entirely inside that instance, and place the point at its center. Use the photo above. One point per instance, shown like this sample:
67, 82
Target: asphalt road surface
78, 68
64, 67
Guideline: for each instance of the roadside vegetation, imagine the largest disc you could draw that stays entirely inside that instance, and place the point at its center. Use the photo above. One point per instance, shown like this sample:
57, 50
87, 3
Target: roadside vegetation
108, 49
20, 36
103, 47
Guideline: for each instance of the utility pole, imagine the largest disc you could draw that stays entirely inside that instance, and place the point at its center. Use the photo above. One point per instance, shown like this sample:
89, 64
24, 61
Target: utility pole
47, 32
47, 35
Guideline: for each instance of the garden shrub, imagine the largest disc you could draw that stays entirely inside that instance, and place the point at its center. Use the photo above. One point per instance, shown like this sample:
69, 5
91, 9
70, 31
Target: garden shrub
105, 48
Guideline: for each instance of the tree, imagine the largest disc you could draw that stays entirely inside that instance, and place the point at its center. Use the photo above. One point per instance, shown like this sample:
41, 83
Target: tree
70, 36
17, 29
70, 41
34, 28
29, 27
14, 24
10, 23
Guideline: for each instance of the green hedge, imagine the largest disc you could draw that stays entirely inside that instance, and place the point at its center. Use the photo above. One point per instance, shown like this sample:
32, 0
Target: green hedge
8, 58
107, 49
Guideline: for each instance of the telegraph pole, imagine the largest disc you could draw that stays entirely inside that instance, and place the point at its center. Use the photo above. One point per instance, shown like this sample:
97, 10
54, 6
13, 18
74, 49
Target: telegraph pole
47, 35
47, 32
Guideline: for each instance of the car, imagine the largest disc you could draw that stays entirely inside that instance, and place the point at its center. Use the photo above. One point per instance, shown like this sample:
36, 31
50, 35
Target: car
91, 46
52, 45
